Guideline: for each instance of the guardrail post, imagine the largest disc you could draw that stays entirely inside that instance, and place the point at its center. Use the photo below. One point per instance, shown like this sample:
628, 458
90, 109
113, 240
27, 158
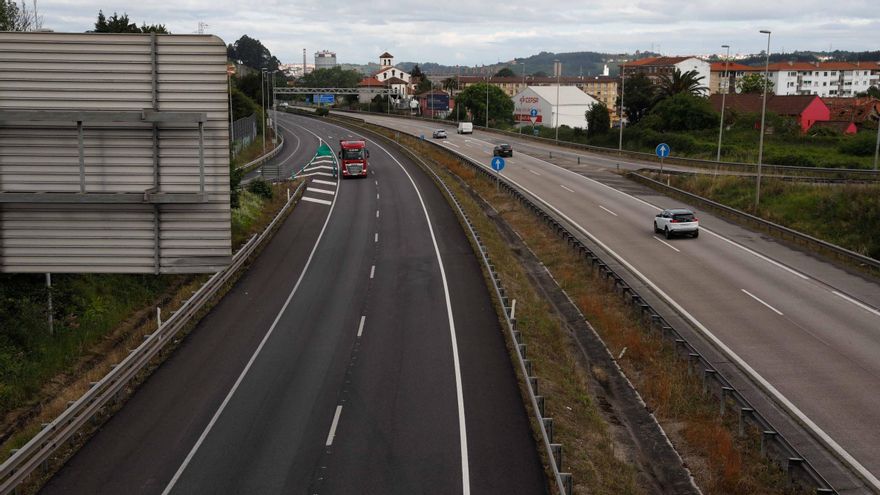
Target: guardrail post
793, 462
725, 392
533, 382
522, 350
528, 365
566, 482
766, 436
707, 373
556, 448
693, 360
548, 427
540, 400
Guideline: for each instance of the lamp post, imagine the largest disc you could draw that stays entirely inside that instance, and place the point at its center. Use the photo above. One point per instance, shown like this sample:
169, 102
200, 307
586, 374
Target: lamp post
725, 78
763, 114
487, 98
523, 88
620, 107
457, 86
877, 146
558, 68
263, 103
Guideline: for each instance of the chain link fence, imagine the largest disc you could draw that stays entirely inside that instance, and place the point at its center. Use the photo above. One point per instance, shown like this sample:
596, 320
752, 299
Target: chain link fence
244, 130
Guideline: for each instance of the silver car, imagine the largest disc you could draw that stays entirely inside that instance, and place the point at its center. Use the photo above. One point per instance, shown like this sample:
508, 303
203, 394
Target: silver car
440, 133
677, 221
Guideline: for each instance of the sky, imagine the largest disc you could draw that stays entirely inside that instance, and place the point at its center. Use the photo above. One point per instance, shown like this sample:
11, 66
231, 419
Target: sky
472, 33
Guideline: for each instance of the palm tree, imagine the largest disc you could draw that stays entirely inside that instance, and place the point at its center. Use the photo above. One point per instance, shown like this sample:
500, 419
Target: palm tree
681, 82
450, 83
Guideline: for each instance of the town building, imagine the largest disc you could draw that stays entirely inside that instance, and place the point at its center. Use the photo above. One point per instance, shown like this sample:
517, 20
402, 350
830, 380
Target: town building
325, 60
718, 84
805, 109
570, 109
846, 79
657, 68
601, 88
387, 77
387, 70
435, 103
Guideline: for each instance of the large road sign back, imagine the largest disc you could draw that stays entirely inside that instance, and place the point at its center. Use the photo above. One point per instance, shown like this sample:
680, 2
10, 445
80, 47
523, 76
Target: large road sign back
114, 153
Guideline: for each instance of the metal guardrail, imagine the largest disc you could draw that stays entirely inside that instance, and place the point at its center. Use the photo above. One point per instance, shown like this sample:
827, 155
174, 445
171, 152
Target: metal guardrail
264, 158
843, 254
773, 444
67, 425
649, 158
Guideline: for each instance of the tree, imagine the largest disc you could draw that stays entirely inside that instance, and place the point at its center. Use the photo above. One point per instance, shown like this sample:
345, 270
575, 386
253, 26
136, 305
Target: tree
416, 72
681, 112
638, 97
122, 24
252, 53
873, 92
450, 84
334, 77
505, 72
15, 17
598, 119
681, 82
753, 83
423, 85
473, 99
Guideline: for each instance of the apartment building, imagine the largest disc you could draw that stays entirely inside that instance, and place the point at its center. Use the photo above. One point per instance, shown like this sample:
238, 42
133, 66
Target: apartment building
840, 79
733, 71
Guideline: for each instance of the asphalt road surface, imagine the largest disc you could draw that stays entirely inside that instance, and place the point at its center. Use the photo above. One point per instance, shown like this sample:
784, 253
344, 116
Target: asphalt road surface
806, 327
360, 353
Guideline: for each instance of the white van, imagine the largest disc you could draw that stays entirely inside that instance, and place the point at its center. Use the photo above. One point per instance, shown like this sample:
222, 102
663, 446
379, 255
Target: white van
465, 128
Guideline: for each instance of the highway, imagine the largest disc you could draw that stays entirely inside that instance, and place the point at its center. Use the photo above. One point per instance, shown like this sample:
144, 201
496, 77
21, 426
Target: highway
810, 330
360, 353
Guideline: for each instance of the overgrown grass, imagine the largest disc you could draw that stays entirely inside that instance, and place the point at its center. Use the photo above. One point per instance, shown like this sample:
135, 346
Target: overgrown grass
846, 215
721, 462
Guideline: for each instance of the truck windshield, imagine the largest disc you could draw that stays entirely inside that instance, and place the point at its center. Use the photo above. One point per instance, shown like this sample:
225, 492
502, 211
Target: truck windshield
356, 154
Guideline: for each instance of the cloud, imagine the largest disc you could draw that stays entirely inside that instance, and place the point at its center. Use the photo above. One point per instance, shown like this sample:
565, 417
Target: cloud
467, 32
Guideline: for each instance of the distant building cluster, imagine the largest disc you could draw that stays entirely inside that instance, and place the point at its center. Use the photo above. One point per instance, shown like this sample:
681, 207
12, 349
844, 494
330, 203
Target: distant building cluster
325, 60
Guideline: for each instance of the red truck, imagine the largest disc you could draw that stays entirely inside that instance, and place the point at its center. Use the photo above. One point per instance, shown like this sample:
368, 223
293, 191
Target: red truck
353, 157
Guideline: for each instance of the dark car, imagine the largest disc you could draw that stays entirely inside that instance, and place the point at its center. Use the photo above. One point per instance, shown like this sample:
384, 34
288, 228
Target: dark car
502, 150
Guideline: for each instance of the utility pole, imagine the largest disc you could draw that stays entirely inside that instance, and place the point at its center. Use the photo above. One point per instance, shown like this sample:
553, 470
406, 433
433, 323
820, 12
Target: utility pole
558, 66
263, 102
724, 91
620, 107
763, 114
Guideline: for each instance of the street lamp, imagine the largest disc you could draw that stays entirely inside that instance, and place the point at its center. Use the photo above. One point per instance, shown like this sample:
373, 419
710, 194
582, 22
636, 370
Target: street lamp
263, 103
725, 78
558, 68
457, 86
620, 107
487, 98
877, 146
763, 114
523, 63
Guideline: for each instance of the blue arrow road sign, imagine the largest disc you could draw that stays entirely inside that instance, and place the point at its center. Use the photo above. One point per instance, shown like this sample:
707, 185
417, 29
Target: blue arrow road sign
662, 150
533, 112
497, 164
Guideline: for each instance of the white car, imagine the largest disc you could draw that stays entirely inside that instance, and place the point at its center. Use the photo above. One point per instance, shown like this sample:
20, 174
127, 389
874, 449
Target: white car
677, 221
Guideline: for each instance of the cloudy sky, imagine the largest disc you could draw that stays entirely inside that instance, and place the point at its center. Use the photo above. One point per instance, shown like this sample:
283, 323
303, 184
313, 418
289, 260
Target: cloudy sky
487, 31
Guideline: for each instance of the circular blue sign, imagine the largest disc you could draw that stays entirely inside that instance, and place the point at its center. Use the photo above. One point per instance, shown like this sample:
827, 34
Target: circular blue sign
533, 112
497, 164
662, 150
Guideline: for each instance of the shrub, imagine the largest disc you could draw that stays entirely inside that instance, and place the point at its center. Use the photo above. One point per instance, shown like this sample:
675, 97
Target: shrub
261, 188
682, 112
861, 144
322, 112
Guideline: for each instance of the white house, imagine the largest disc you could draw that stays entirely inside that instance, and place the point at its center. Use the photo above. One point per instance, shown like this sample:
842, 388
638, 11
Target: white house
570, 108
387, 70
657, 68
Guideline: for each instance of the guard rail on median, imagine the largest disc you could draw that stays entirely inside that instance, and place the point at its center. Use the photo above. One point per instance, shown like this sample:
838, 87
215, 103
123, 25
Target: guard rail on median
247, 167
773, 444
68, 425
851, 257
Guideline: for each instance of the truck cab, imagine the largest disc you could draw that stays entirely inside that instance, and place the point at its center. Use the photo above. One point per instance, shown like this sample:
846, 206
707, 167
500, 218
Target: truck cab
353, 157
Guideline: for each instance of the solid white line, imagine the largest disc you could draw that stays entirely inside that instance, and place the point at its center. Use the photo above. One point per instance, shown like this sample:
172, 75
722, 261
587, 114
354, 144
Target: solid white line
251, 361
609, 211
315, 200
450, 144
670, 245
361, 325
325, 182
857, 303
756, 298
333, 426
376, 238
567, 189
373, 271
322, 191
532, 171
462, 427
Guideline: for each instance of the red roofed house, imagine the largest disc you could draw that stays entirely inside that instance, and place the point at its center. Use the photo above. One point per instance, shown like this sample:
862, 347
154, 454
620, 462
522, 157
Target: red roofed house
857, 110
734, 72
807, 110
